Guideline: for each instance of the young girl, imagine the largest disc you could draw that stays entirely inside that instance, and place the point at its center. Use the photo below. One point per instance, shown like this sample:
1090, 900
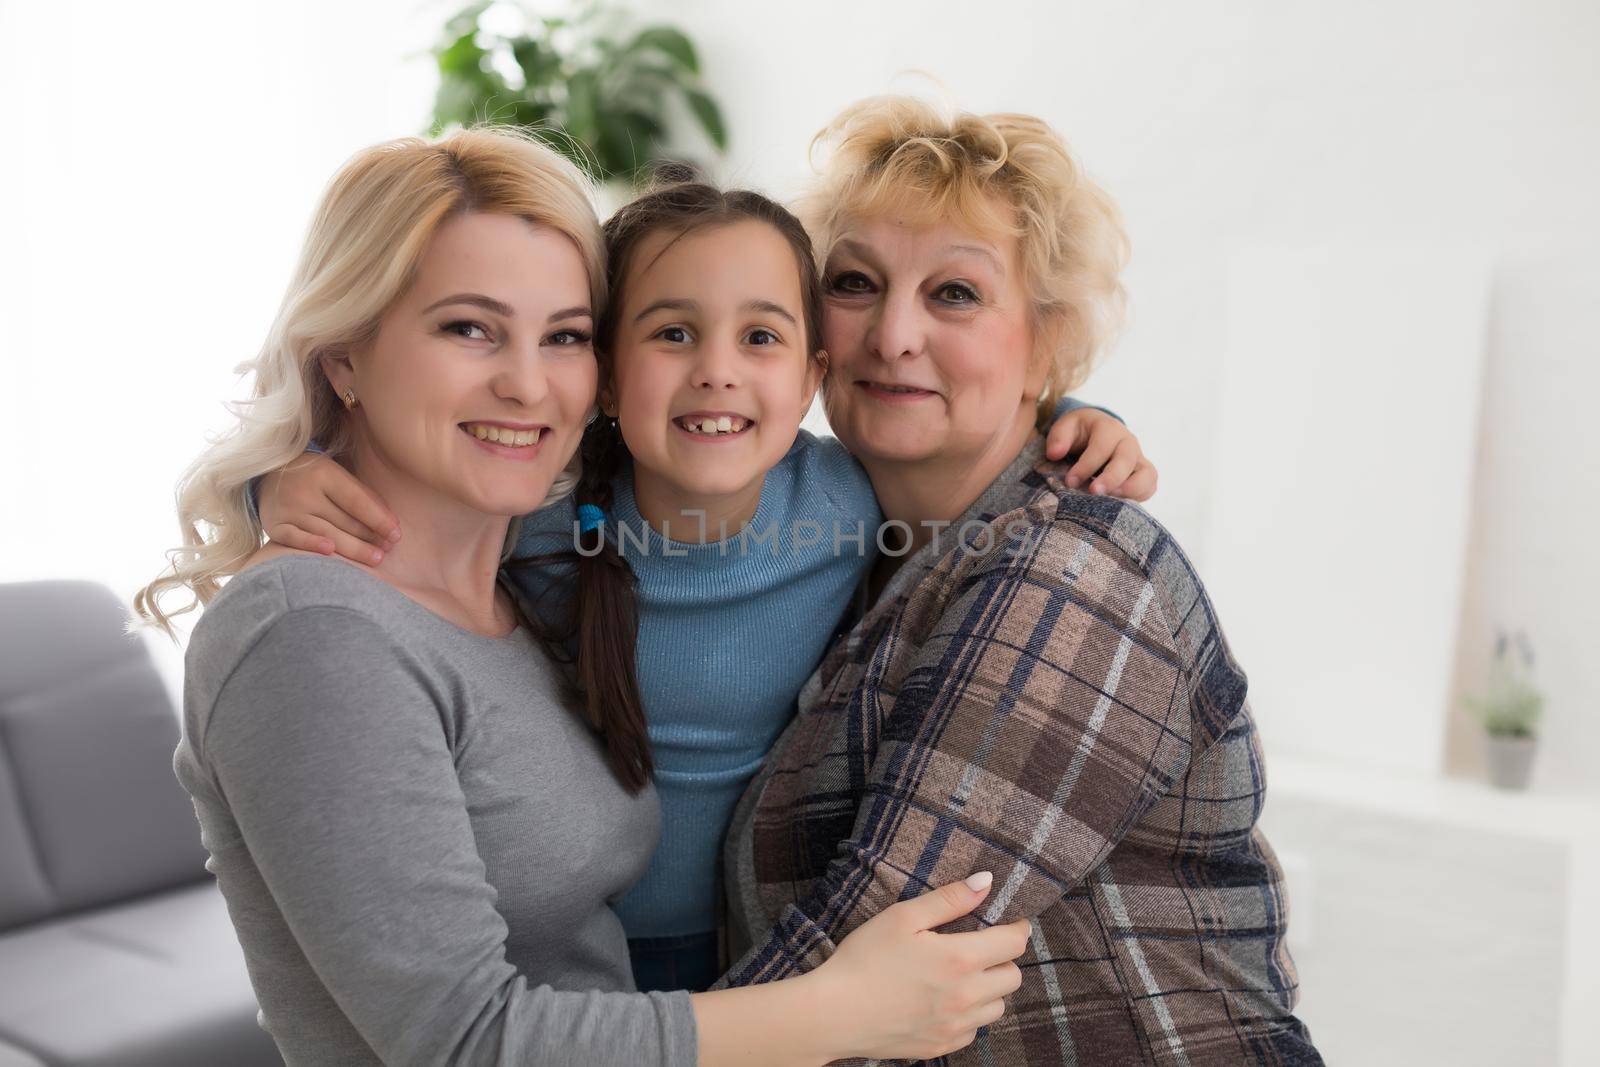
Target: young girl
704, 513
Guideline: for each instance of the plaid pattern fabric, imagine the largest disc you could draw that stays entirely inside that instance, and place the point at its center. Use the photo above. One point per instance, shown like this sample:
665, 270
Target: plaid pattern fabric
1062, 710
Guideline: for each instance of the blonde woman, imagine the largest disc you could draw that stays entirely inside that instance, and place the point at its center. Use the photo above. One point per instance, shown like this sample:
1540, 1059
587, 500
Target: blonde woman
1041, 688
418, 839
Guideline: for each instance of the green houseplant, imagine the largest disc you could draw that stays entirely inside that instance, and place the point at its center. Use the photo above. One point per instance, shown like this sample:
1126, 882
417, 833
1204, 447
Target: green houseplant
590, 84
1510, 707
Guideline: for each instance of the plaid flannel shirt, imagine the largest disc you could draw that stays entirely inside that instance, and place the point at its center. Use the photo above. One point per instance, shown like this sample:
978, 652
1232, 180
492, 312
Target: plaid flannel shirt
1062, 710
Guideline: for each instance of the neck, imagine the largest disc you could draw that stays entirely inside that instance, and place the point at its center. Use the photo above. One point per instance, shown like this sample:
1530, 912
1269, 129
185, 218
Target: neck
694, 520
924, 493
449, 556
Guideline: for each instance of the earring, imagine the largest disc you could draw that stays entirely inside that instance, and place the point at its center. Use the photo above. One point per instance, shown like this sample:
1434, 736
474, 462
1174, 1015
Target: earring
350, 399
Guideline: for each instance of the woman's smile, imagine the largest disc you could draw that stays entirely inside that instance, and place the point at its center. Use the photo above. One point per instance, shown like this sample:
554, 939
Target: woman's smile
888, 393
514, 441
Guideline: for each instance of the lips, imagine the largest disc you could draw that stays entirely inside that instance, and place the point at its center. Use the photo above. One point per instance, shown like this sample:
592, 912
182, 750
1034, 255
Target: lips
893, 391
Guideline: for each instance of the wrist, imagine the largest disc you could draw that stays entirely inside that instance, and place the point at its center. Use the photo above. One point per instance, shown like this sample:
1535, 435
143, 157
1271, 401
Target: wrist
835, 1031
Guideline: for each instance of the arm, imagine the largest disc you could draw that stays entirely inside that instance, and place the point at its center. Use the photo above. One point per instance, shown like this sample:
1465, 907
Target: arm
344, 789
1069, 719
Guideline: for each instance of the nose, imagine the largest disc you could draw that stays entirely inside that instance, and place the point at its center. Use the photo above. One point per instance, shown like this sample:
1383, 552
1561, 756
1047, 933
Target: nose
896, 330
520, 375
717, 366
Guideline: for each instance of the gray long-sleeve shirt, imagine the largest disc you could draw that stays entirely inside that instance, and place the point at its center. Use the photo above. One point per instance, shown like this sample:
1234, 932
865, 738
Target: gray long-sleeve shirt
418, 843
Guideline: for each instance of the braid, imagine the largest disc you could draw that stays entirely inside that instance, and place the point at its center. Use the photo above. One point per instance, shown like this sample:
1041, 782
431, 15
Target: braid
606, 618
600, 608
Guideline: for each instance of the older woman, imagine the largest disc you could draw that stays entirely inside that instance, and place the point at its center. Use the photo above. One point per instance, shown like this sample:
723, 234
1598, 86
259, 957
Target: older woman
1039, 685
420, 841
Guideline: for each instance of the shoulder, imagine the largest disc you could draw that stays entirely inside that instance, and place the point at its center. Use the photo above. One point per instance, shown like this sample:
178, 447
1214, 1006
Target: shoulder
823, 474
1110, 556
307, 615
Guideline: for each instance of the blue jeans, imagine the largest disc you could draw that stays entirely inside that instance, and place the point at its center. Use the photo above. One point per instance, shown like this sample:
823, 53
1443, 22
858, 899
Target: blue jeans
668, 963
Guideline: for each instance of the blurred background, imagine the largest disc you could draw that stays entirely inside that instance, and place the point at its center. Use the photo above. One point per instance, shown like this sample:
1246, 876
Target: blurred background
1364, 350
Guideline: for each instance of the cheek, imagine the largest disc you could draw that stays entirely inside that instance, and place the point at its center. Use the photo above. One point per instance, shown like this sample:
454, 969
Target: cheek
844, 332
642, 382
407, 385
989, 362
783, 385
575, 385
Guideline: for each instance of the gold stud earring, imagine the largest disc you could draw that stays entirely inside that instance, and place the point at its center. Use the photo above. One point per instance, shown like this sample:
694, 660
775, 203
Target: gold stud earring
350, 399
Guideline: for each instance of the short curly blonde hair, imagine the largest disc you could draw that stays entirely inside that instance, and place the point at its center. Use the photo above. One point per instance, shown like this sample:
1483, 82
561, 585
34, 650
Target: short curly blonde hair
994, 174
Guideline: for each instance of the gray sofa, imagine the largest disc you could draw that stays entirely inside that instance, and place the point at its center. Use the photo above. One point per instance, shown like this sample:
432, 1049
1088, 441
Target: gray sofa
115, 946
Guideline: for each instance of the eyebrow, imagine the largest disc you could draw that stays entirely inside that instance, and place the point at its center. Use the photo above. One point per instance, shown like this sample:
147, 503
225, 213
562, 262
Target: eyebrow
680, 304
489, 303
859, 249
978, 250
667, 305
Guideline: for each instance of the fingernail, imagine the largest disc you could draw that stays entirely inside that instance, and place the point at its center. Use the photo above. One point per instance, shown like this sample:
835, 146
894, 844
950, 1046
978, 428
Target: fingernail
394, 535
377, 556
1072, 481
980, 881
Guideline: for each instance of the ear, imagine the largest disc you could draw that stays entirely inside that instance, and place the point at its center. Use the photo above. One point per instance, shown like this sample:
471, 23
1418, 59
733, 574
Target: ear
337, 369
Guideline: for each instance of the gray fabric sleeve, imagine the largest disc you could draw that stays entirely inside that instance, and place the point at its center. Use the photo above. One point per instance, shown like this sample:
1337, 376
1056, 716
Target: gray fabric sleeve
339, 773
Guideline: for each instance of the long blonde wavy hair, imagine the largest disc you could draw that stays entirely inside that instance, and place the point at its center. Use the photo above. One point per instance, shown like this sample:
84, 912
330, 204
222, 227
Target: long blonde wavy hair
907, 158
360, 255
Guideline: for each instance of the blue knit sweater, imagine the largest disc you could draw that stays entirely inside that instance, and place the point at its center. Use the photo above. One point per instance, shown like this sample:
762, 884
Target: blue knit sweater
728, 633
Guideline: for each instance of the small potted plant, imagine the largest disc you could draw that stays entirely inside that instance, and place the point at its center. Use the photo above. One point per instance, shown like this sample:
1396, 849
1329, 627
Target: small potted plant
1509, 708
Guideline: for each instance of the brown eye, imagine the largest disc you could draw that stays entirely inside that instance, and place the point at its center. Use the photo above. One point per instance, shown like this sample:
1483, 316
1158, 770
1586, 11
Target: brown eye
956, 293
471, 331
850, 281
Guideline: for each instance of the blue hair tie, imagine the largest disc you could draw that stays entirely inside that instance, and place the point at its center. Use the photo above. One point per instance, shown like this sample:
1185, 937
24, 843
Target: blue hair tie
590, 517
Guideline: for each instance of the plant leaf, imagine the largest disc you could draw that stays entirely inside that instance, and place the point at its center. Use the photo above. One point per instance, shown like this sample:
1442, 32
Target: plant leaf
705, 109
583, 108
461, 56
465, 21
669, 42
539, 62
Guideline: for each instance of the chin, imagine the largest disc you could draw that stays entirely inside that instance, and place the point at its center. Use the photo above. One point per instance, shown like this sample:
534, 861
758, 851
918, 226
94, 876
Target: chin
895, 444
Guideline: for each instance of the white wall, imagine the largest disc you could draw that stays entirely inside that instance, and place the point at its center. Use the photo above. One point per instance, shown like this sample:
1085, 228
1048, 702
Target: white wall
159, 166
161, 159
1226, 126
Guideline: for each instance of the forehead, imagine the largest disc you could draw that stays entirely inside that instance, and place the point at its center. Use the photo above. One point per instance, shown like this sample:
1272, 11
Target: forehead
724, 263
521, 263
899, 242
